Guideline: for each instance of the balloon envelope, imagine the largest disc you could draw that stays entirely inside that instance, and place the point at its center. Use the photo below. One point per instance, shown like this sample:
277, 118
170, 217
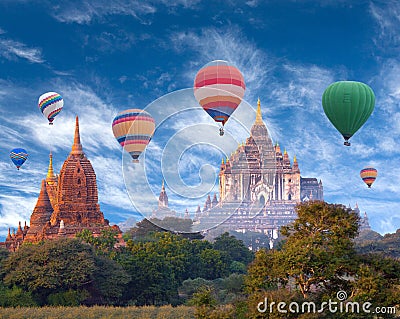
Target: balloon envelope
219, 88
348, 105
133, 130
368, 175
50, 104
18, 156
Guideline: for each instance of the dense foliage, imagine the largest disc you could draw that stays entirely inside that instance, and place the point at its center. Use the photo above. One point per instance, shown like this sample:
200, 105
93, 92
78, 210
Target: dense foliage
317, 260
90, 270
321, 255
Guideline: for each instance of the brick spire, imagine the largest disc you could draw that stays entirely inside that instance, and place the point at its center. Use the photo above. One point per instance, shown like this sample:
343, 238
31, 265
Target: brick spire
77, 146
41, 214
43, 203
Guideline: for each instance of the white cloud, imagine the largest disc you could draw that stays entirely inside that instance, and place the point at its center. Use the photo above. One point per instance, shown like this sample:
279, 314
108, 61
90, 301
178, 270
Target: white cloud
14, 208
301, 86
123, 78
187, 4
230, 44
112, 40
13, 50
85, 12
252, 3
387, 17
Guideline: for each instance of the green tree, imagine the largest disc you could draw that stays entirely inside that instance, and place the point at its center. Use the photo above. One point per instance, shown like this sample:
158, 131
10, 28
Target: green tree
104, 243
146, 228
143, 231
234, 248
3, 257
55, 265
316, 261
15, 297
64, 269
213, 263
152, 278
319, 249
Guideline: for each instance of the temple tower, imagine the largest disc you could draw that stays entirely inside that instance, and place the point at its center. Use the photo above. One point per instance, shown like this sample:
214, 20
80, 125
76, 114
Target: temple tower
77, 197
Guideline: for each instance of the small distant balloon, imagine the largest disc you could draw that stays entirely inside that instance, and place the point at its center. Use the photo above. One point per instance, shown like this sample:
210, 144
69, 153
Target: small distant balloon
18, 156
133, 129
368, 175
348, 105
50, 104
219, 88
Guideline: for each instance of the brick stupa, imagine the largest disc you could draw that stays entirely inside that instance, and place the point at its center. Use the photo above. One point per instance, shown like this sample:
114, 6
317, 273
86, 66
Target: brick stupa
67, 203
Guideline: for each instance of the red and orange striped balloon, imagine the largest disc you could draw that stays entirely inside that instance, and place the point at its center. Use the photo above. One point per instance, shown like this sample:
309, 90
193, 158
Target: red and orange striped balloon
368, 175
219, 88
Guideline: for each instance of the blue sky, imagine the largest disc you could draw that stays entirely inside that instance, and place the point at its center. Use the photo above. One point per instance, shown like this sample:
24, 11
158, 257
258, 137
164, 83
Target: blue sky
107, 56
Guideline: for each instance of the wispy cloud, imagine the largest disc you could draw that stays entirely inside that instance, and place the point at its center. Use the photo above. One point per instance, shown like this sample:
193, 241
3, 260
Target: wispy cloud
86, 12
227, 43
186, 4
39, 138
112, 40
14, 208
301, 86
387, 17
13, 50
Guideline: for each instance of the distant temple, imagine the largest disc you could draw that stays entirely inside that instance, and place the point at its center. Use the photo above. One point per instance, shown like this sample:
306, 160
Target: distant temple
163, 210
67, 203
364, 221
259, 187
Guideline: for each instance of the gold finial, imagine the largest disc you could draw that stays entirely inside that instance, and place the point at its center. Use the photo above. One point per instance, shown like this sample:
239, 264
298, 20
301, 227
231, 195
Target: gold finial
50, 171
77, 146
285, 152
259, 120
295, 159
222, 161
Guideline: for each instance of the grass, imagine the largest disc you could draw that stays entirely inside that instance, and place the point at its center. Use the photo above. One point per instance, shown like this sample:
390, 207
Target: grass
98, 312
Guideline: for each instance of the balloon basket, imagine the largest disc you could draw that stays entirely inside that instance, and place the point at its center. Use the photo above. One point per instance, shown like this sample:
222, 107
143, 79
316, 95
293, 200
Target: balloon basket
135, 161
221, 131
50, 123
347, 143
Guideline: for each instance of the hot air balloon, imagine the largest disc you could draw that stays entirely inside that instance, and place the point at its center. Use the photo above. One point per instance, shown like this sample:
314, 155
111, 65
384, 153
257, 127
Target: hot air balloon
18, 156
50, 104
219, 88
133, 129
348, 105
368, 175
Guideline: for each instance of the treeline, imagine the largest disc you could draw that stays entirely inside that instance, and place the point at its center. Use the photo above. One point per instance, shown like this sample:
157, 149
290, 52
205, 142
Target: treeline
317, 263
371, 242
150, 270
